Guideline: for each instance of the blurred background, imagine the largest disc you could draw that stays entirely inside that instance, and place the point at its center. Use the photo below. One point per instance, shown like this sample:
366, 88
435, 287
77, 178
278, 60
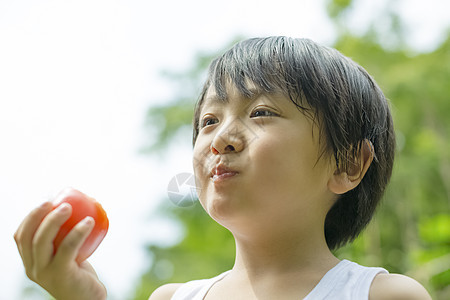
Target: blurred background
99, 95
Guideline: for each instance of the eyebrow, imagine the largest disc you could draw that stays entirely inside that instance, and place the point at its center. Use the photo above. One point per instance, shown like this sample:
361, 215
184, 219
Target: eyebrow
254, 94
216, 101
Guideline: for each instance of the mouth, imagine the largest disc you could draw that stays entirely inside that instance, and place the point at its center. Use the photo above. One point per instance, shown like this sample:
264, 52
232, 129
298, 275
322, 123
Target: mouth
220, 173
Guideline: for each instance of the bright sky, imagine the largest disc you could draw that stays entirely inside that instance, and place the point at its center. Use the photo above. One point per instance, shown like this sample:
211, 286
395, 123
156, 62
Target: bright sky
76, 78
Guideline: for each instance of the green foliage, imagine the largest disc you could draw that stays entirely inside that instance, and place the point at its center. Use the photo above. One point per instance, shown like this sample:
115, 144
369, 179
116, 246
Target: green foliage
336, 8
206, 250
168, 120
436, 230
410, 233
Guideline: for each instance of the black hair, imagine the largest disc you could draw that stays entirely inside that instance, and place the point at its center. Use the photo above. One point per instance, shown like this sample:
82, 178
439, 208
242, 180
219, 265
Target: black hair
335, 92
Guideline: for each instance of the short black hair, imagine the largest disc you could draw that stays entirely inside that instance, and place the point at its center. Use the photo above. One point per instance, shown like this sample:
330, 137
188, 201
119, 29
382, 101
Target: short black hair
341, 97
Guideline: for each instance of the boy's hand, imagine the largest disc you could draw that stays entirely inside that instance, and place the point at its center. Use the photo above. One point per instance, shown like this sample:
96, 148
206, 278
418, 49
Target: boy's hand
59, 274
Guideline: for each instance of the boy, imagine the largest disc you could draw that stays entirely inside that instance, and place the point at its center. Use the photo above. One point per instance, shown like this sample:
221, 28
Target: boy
293, 148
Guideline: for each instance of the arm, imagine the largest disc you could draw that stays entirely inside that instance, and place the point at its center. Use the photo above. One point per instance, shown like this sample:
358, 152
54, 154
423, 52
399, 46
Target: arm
59, 274
397, 287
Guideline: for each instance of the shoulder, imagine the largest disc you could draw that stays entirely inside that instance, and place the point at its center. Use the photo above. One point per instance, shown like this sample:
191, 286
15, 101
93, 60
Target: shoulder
165, 292
396, 287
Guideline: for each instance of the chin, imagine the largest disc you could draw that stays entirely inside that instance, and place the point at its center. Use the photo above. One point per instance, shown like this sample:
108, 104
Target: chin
220, 209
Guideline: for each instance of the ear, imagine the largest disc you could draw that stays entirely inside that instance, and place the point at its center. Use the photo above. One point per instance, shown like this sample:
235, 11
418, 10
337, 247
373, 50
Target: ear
343, 181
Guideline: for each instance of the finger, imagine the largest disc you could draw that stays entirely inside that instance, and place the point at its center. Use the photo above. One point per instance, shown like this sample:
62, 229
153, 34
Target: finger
46, 233
26, 231
69, 247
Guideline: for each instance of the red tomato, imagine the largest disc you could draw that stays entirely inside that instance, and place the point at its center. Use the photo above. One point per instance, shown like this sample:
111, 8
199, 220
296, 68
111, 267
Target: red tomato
82, 206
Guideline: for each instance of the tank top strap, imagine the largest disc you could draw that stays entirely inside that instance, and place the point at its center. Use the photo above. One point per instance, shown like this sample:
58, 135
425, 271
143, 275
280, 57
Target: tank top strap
196, 289
347, 280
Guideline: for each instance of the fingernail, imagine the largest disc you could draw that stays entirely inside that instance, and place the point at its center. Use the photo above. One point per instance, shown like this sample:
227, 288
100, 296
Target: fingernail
88, 221
64, 207
45, 204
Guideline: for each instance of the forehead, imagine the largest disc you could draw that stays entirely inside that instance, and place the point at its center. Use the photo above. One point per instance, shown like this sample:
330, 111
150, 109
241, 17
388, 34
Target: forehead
228, 88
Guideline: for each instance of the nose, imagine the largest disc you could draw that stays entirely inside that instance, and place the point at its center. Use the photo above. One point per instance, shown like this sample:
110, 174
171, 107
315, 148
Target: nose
229, 139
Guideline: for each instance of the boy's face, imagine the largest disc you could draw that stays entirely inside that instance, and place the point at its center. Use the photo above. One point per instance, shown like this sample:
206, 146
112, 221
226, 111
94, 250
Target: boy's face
257, 162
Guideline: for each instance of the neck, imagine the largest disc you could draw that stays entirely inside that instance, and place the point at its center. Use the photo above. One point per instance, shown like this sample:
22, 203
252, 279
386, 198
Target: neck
277, 259
286, 252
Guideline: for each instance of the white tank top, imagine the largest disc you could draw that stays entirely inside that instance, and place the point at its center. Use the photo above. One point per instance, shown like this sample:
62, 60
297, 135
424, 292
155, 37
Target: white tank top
347, 280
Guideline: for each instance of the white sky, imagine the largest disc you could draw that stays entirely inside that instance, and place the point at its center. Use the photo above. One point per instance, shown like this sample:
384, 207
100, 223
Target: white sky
76, 78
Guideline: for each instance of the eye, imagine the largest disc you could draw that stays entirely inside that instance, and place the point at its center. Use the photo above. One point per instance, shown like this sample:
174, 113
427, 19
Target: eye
208, 120
263, 112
